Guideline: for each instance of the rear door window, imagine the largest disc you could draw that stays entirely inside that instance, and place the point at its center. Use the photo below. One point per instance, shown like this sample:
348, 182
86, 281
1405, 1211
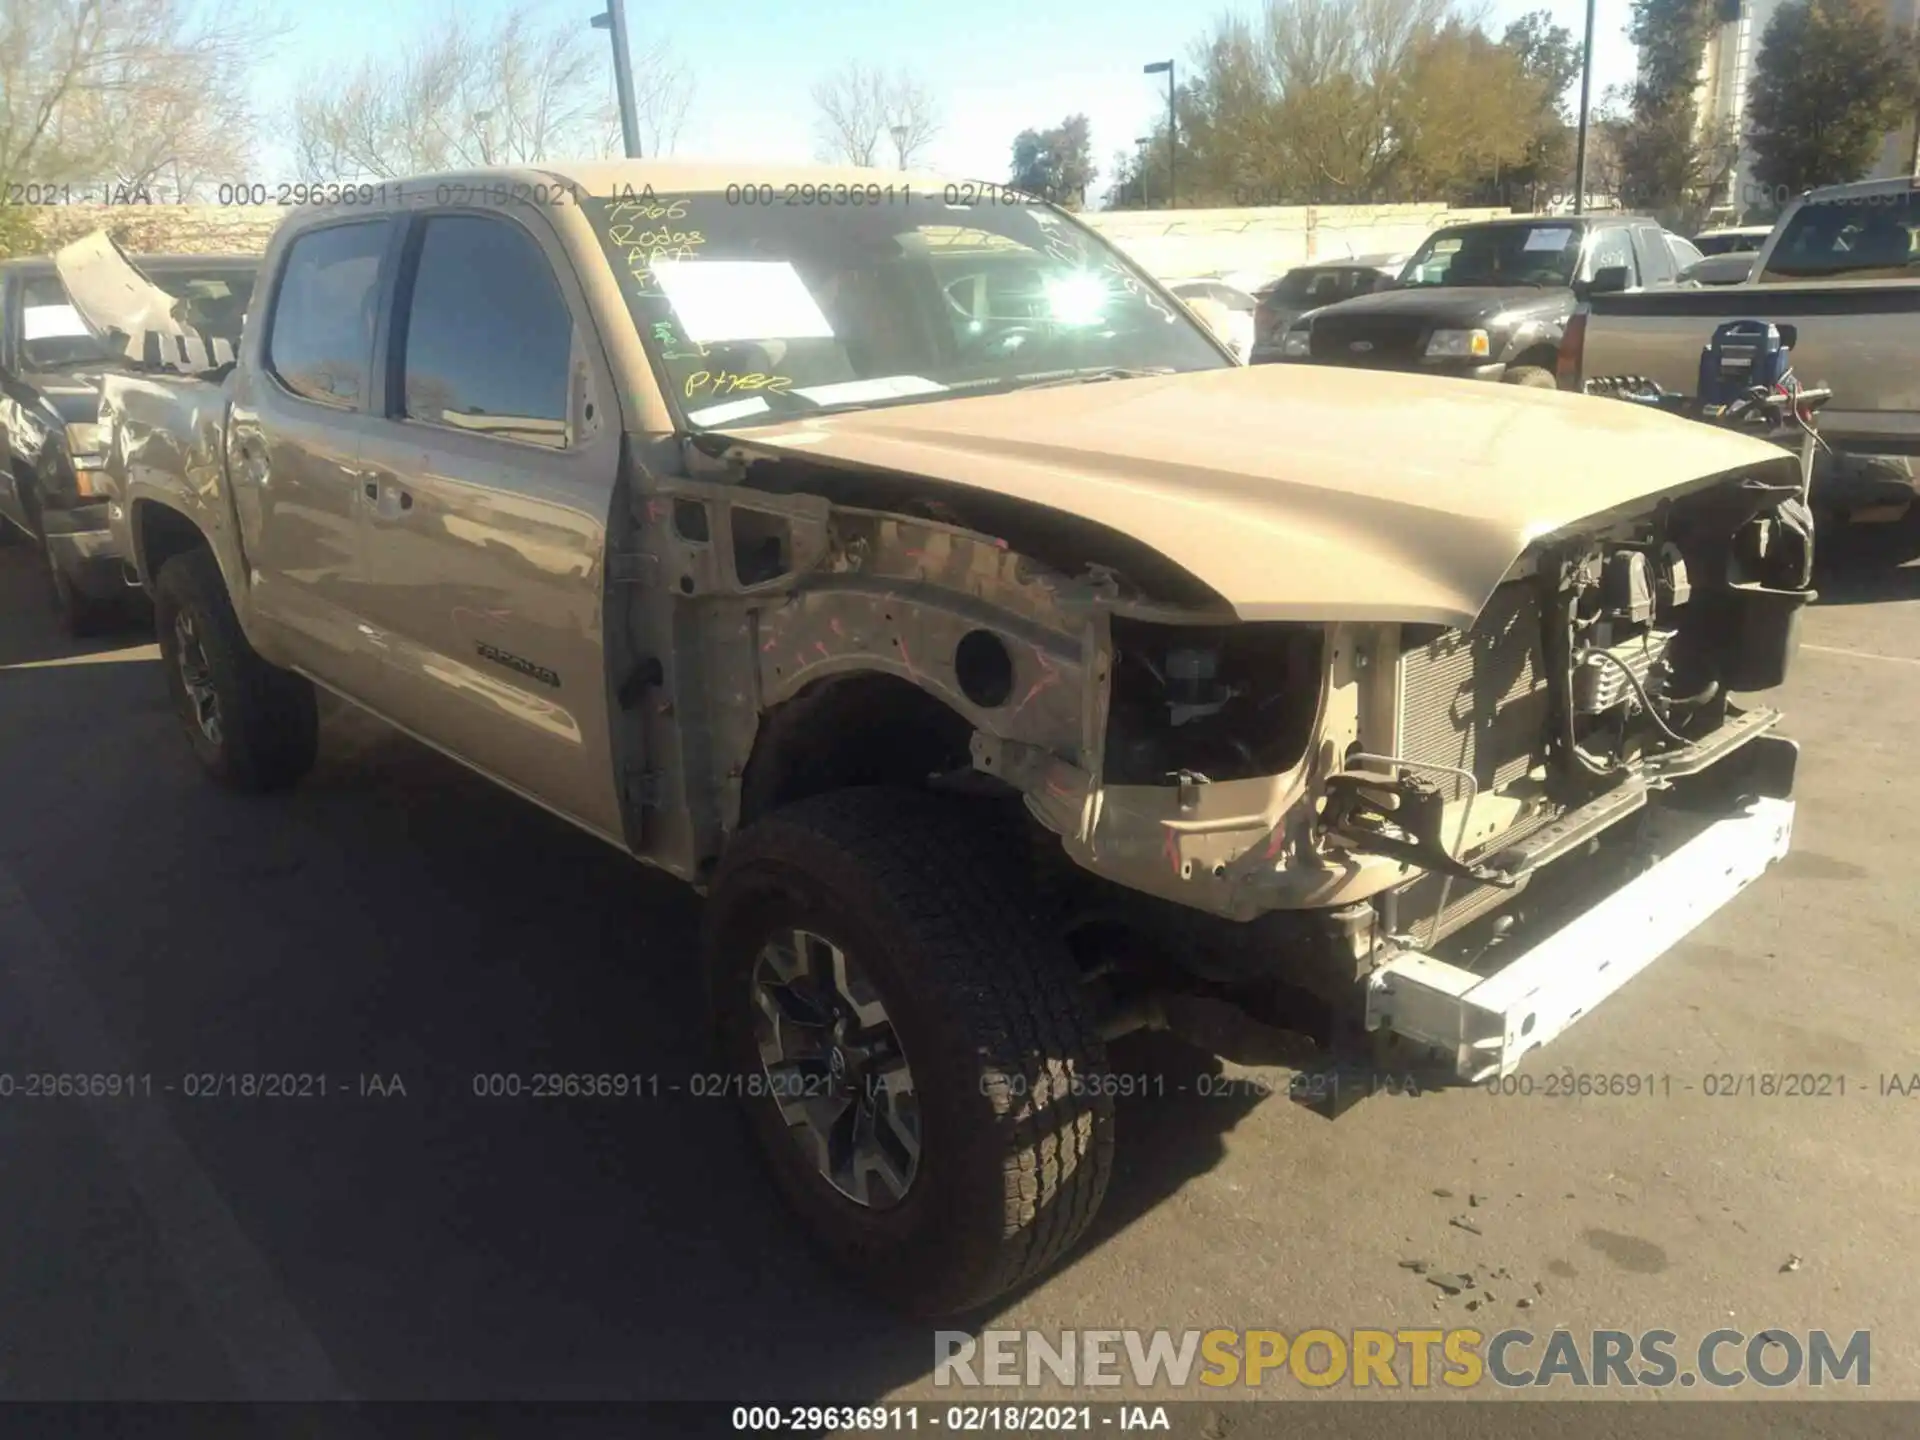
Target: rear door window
1656, 261
1864, 237
320, 340
1685, 254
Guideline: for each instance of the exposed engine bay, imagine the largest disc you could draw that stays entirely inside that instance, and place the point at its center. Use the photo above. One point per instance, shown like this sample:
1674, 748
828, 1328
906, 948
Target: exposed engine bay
1614, 661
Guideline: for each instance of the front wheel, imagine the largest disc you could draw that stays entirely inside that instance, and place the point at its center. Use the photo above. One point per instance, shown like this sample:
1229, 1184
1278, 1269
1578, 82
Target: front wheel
253, 726
918, 1065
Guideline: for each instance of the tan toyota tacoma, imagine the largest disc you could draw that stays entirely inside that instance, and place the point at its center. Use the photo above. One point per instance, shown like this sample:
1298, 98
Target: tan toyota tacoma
897, 563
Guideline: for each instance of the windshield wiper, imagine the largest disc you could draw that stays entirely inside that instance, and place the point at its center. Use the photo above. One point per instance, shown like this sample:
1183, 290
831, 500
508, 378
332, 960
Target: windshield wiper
1082, 377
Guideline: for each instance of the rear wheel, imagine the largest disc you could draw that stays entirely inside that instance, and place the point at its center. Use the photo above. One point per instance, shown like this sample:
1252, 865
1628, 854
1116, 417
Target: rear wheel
252, 725
918, 1065
1534, 377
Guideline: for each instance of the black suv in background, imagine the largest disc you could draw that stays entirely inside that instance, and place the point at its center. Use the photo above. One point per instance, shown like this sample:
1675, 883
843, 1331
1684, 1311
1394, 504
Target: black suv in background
1309, 287
1491, 300
51, 362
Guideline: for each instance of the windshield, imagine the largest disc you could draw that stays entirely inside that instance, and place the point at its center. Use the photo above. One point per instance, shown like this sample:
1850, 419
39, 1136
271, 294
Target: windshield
765, 311
53, 336
1543, 254
1315, 287
1868, 237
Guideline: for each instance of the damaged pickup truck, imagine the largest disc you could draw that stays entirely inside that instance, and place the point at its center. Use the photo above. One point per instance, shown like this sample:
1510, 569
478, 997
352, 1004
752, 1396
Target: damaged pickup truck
64, 322
1009, 667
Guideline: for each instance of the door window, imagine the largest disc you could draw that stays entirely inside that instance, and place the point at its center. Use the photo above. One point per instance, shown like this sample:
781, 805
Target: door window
1656, 261
1685, 255
1611, 247
488, 338
321, 337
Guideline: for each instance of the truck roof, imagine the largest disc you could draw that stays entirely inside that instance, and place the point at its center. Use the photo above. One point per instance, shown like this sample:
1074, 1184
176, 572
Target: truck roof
611, 177
43, 264
1864, 187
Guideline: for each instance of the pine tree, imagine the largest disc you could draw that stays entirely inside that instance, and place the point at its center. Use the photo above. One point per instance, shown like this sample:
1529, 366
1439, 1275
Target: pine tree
1830, 80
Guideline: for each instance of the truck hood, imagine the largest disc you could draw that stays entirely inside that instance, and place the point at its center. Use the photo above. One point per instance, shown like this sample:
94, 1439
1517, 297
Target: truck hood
1460, 306
121, 305
1301, 492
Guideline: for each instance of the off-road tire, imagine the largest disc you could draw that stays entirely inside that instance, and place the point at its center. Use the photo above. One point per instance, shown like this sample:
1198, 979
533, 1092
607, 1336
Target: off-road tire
1533, 377
269, 721
1017, 1136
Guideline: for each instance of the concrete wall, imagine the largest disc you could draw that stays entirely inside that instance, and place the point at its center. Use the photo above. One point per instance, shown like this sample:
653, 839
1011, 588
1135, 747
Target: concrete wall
1268, 240
1174, 244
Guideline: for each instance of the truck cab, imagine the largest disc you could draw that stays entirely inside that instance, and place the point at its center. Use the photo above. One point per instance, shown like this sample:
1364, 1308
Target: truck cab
922, 582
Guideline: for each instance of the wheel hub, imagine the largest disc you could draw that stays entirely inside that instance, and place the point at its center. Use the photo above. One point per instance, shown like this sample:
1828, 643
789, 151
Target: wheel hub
196, 676
836, 1069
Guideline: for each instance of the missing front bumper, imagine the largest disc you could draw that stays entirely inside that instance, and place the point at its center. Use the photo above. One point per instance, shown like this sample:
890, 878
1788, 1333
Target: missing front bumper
1487, 1022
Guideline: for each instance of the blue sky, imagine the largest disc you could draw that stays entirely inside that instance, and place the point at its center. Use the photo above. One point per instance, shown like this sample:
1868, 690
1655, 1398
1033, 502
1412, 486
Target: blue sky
996, 66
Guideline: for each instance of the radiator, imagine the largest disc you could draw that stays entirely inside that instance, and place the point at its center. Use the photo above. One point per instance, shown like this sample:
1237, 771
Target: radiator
1477, 699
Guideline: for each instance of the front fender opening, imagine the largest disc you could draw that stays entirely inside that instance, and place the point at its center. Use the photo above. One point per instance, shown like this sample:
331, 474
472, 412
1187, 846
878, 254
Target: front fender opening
1230, 702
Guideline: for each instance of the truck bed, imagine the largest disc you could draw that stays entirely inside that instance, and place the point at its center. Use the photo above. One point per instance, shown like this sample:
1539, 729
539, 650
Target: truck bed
1859, 337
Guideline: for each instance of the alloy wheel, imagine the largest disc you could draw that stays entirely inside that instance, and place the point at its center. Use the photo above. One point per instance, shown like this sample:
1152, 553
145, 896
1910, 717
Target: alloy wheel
834, 1066
196, 676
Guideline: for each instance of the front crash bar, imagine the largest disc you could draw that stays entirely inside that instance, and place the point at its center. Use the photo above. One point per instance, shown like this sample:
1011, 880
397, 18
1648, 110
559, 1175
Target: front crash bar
1486, 1023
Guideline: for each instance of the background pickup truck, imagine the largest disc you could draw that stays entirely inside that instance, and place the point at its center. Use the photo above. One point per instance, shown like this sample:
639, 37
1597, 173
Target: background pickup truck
1843, 268
922, 582
53, 357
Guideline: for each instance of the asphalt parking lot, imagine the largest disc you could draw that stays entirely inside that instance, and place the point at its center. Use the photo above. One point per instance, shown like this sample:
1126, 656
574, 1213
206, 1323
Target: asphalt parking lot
399, 926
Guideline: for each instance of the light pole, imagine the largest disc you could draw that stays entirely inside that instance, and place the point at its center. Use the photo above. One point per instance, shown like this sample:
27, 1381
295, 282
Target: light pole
615, 20
1143, 141
1580, 144
900, 145
1173, 190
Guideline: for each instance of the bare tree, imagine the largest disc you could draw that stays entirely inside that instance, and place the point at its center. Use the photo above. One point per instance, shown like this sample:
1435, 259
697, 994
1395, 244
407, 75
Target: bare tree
528, 85
912, 118
127, 92
851, 114
861, 110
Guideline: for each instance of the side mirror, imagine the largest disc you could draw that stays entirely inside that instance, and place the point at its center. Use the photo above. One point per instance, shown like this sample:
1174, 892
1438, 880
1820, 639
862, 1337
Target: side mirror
1609, 280
1789, 334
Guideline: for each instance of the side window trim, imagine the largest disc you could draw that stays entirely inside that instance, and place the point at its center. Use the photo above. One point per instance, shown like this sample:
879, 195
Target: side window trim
271, 318
396, 312
393, 268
